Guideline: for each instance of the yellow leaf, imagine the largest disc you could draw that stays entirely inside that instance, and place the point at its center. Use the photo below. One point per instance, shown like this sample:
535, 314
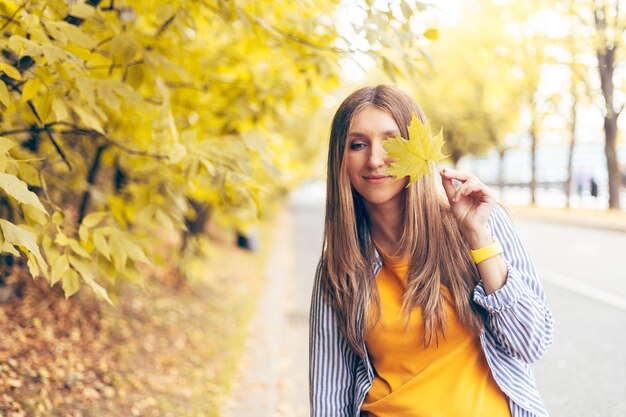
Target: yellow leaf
64, 32
60, 266
30, 21
134, 251
71, 282
432, 34
9, 248
5, 145
93, 219
177, 153
83, 233
124, 48
86, 272
101, 245
24, 239
30, 89
82, 11
33, 215
118, 252
78, 249
11, 71
43, 104
5, 97
98, 289
53, 53
414, 154
18, 189
88, 119
60, 110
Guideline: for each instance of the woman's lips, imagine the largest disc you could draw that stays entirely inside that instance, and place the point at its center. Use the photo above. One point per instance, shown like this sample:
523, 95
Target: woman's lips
376, 179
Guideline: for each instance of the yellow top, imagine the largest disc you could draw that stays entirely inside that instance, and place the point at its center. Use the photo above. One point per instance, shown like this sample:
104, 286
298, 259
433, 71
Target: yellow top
452, 379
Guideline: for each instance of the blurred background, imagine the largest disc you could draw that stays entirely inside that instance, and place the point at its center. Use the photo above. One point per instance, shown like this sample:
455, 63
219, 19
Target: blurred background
162, 185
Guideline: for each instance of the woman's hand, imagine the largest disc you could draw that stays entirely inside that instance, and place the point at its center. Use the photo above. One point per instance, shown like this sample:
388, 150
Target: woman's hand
471, 205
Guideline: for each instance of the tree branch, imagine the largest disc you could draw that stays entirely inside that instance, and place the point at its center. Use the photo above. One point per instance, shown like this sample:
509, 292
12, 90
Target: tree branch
165, 25
77, 130
11, 18
96, 67
58, 148
91, 179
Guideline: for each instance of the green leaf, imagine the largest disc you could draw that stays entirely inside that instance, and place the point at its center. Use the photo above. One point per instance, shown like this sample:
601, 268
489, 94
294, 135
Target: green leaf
18, 189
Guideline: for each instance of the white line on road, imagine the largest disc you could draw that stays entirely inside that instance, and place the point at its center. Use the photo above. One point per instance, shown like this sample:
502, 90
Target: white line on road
583, 289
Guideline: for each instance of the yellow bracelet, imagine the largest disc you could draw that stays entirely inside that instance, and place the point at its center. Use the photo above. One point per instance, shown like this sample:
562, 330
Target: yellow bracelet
486, 252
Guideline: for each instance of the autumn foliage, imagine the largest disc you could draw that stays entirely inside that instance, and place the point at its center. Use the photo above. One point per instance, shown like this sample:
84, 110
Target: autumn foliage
123, 122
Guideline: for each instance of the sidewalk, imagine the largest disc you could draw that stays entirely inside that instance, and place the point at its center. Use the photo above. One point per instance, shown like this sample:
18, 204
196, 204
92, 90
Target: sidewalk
254, 389
599, 219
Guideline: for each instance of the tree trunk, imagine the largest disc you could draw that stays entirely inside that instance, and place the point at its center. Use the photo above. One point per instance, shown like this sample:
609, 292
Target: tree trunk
610, 136
533, 159
606, 67
572, 141
501, 153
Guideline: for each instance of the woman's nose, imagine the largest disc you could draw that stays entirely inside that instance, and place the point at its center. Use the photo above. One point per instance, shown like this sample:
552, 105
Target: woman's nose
377, 155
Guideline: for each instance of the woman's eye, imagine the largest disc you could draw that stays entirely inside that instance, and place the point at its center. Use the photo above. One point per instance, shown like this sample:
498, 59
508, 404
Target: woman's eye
356, 146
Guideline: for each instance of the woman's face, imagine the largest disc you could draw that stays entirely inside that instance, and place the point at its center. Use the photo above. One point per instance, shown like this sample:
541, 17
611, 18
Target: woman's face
367, 161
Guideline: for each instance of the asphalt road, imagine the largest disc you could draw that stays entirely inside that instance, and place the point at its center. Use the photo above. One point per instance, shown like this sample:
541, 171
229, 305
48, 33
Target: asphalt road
584, 276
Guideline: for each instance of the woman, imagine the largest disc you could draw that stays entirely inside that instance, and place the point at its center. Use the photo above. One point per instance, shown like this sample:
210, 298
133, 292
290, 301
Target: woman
403, 321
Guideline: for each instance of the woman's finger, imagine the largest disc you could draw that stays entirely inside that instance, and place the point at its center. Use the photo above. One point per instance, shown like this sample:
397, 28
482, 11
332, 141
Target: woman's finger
458, 175
469, 187
448, 185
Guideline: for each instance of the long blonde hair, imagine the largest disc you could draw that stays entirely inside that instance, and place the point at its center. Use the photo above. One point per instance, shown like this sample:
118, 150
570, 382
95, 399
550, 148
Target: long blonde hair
431, 239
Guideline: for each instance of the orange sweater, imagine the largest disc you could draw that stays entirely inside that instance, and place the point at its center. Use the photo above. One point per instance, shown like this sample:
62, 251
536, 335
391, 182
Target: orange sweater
452, 379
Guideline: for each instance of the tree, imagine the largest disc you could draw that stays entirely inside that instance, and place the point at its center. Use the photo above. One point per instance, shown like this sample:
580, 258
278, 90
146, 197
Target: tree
474, 92
124, 123
610, 25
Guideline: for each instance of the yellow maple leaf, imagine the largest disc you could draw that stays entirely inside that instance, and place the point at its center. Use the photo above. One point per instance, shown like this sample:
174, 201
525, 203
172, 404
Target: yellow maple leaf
415, 153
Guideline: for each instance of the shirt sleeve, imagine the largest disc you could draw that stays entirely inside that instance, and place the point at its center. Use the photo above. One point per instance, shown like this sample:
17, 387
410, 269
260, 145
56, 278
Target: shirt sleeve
517, 314
332, 362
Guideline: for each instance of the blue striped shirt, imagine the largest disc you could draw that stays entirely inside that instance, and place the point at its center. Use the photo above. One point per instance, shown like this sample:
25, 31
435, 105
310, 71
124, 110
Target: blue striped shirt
518, 330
